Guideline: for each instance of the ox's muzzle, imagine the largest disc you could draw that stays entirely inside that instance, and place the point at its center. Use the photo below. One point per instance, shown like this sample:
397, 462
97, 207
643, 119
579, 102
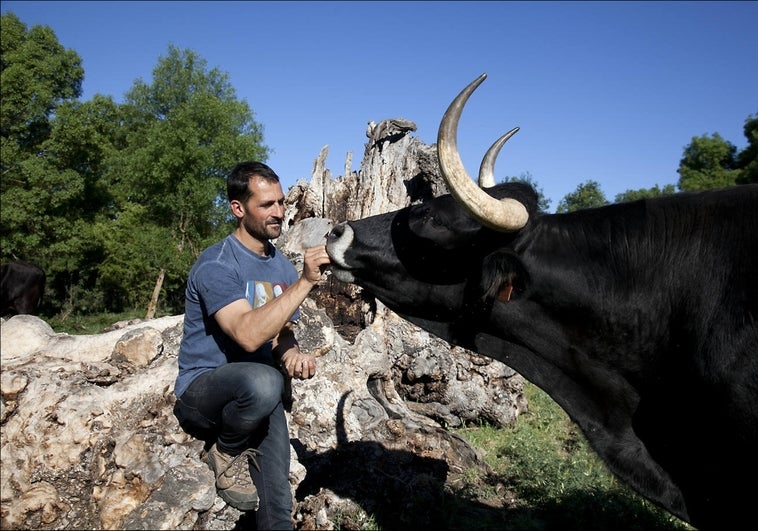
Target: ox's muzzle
338, 241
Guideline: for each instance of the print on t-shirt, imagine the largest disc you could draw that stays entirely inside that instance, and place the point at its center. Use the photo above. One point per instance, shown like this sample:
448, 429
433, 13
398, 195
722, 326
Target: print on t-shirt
259, 293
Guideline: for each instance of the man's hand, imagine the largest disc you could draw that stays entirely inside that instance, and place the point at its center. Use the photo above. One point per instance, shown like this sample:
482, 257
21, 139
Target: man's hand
315, 261
299, 365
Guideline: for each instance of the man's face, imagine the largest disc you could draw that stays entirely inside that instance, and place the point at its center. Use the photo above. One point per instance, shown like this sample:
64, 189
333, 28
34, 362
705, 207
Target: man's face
263, 212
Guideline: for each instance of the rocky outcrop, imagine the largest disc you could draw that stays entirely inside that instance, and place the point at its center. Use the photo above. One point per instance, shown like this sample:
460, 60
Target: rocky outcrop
89, 440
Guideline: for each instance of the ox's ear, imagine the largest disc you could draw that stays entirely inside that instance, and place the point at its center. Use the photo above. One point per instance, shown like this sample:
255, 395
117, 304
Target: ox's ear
500, 276
503, 276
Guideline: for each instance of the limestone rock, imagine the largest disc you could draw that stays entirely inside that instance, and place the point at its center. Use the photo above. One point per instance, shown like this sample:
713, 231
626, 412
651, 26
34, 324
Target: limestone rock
83, 452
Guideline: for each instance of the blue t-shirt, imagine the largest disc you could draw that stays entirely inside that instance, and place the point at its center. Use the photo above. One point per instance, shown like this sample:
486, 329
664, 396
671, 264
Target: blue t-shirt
226, 272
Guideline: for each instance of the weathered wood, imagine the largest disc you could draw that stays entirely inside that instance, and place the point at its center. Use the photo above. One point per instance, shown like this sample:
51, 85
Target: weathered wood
154, 298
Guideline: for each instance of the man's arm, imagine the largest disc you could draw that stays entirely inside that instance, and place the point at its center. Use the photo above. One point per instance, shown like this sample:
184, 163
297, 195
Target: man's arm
252, 327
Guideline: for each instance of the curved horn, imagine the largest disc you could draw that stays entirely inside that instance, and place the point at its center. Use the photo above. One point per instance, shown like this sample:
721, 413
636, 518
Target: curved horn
503, 215
487, 168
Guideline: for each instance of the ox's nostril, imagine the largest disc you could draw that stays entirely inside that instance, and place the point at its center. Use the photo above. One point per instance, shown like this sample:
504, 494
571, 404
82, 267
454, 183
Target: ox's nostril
336, 232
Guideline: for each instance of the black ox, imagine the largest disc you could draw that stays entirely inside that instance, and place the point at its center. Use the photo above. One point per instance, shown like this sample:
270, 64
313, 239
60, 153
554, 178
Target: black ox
639, 319
21, 287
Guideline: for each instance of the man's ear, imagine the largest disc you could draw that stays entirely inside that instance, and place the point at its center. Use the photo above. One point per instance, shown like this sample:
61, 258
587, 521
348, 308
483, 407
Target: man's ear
237, 209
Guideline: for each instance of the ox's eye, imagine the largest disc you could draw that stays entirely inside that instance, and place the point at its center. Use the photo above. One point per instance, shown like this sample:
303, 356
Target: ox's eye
422, 220
433, 223
432, 217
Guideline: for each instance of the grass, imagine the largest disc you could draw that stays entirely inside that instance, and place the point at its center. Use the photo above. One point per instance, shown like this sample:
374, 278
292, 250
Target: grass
547, 477
89, 324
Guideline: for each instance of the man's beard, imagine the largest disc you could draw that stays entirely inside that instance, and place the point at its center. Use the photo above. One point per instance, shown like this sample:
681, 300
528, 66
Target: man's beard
269, 230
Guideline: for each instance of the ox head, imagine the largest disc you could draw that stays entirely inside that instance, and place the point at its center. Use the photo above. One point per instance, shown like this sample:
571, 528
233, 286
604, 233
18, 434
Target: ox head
450, 256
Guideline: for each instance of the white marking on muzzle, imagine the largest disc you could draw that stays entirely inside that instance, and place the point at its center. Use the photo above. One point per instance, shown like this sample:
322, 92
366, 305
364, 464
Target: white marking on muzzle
336, 249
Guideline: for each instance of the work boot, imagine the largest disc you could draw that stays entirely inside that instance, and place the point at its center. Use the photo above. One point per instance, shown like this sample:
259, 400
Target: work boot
233, 481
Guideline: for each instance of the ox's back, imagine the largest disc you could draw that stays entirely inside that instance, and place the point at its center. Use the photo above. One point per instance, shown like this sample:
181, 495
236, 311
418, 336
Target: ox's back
22, 285
642, 317
686, 259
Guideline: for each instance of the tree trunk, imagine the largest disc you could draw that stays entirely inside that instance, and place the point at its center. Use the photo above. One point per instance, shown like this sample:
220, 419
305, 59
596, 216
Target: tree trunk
156, 292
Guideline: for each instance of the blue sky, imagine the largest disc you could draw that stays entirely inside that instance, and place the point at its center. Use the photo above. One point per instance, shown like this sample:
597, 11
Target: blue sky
607, 91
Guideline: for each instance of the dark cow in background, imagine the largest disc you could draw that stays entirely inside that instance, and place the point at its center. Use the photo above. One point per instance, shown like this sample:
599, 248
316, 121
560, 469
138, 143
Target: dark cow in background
21, 287
639, 318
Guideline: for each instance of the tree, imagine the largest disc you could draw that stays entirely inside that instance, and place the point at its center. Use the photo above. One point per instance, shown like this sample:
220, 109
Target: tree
747, 159
186, 130
38, 76
543, 202
587, 195
708, 162
84, 136
103, 195
644, 193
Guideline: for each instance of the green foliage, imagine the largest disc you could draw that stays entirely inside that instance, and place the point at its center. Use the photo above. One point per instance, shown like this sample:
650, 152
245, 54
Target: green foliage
747, 159
587, 195
543, 202
102, 195
38, 75
708, 162
187, 130
644, 193
134, 252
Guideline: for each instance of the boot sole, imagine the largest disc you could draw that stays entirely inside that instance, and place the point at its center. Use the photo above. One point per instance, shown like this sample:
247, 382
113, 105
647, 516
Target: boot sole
249, 505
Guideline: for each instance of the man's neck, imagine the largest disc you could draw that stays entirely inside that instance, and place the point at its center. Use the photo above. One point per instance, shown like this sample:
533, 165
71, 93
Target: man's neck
257, 246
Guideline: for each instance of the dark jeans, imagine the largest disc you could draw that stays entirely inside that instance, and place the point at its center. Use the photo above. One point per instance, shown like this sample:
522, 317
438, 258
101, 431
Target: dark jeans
242, 404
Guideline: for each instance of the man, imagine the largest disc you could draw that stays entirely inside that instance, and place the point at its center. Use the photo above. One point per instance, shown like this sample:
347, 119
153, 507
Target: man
242, 297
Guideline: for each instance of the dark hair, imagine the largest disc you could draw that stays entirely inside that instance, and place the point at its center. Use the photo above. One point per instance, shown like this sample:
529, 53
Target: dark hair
237, 182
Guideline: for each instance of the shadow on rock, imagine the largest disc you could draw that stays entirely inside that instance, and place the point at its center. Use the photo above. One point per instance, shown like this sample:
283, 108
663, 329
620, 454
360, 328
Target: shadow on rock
396, 488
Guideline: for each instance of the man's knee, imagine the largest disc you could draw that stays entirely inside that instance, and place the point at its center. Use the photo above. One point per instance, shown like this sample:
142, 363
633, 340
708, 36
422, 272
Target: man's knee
263, 383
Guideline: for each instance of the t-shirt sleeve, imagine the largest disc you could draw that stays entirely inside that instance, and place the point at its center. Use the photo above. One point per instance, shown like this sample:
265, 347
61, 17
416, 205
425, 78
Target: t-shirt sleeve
217, 286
